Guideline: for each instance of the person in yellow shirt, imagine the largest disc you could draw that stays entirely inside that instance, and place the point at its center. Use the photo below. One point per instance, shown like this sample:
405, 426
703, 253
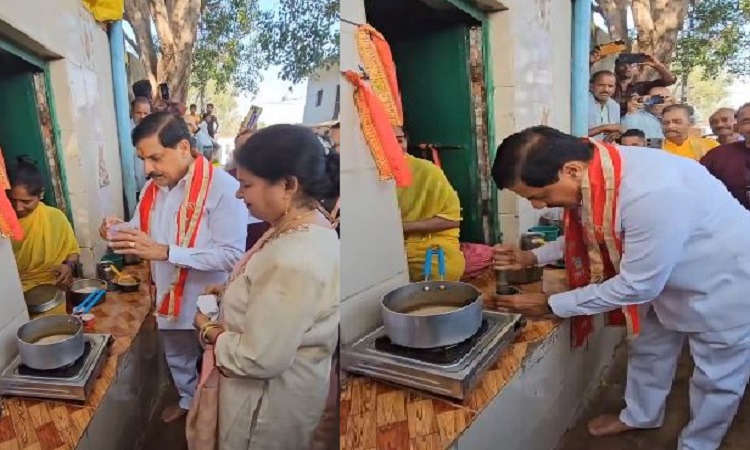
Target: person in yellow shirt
193, 116
431, 216
48, 252
676, 123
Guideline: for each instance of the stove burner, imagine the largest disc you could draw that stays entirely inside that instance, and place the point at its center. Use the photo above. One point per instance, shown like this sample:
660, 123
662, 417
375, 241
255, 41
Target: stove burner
68, 371
442, 355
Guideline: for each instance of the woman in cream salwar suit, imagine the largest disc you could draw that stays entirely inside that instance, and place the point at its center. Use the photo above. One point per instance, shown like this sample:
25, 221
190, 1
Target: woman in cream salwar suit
279, 316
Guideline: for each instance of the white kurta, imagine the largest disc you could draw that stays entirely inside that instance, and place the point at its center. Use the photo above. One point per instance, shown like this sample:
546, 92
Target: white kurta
685, 259
281, 316
219, 245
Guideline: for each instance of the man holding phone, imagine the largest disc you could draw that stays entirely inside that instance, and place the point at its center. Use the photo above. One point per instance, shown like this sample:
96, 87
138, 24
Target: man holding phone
627, 68
644, 112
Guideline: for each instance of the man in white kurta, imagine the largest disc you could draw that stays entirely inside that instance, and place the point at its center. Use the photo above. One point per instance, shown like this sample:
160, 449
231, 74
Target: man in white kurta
685, 260
219, 242
219, 245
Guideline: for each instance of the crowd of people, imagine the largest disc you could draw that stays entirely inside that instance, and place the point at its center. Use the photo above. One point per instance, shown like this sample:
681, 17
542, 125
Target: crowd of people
260, 372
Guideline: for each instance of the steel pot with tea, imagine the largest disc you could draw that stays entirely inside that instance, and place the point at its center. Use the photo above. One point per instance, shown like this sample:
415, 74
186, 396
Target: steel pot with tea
432, 314
50, 342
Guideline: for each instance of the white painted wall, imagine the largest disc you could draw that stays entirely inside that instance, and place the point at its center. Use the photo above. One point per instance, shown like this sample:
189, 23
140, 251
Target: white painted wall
64, 32
372, 248
531, 72
82, 93
326, 81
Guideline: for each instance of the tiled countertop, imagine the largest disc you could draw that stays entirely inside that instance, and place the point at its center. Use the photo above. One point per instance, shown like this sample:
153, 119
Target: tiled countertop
380, 416
31, 424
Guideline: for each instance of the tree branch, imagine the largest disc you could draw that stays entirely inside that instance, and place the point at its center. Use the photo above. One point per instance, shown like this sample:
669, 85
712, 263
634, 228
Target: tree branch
133, 44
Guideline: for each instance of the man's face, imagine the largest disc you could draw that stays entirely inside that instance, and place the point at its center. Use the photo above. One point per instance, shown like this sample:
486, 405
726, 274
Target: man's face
742, 126
335, 136
140, 111
401, 137
603, 87
564, 193
722, 123
210, 109
633, 141
23, 202
658, 108
676, 125
166, 166
626, 70
193, 109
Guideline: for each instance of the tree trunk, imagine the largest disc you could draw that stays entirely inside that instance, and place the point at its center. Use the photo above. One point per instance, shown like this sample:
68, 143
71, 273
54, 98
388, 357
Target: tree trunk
176, 24
615, 13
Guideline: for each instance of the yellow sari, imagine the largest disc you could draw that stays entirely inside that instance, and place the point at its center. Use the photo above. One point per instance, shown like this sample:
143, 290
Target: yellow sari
430, 195
48, 240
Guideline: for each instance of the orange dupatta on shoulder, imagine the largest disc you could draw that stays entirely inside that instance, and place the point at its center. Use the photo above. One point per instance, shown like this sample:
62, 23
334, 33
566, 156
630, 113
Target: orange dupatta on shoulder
189, 219
10, 227
593, 247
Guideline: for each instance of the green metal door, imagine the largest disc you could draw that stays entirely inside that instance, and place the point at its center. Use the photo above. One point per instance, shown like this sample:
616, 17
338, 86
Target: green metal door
19, 126
434, 78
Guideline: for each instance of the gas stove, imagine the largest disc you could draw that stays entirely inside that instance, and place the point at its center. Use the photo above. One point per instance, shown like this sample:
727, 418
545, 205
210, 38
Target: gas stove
447, 371
72, 382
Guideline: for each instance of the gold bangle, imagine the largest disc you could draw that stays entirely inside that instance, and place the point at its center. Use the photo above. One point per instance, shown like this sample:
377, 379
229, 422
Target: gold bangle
205, 329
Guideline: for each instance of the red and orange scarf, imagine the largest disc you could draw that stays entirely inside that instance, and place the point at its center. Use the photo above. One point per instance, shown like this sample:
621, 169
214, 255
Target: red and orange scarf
593, 247
189, 217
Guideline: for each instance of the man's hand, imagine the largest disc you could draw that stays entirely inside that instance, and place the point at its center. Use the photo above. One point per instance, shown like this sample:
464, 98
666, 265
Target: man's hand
136, 242
510, 257
651, 60
594, 57
612, 137
532, 304
635, 103
106, 224
63, 276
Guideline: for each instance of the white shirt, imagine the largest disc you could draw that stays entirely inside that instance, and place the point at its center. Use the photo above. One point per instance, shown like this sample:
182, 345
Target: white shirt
219, 245
685, 246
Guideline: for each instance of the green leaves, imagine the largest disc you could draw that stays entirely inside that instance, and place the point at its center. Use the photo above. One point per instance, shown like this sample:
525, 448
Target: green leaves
717, 38
300, 36
226, 50
237, 40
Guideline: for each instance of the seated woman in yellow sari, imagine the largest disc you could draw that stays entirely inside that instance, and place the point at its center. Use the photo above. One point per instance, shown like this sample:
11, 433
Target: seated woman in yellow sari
48, 252
431, 216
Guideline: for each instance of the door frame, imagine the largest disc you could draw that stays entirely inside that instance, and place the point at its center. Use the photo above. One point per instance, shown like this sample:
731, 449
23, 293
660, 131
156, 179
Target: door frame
467, 7
43, 65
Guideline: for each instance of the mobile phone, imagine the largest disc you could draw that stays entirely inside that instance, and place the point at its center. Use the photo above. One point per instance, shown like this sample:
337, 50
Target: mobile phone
654, 142
632, 58
654, 100
164, 91
610, 48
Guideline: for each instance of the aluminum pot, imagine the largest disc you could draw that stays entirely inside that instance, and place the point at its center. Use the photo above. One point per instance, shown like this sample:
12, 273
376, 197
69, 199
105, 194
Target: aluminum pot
43, 298
438, 329
46, 356
80, 289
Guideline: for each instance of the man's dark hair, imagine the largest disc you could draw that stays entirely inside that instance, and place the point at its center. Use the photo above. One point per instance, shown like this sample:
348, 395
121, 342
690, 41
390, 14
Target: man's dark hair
170, 129
679, 107
143, 88
193, 105
737, 114
27, 174
210, 104
633, 132
535, 156
595, 77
